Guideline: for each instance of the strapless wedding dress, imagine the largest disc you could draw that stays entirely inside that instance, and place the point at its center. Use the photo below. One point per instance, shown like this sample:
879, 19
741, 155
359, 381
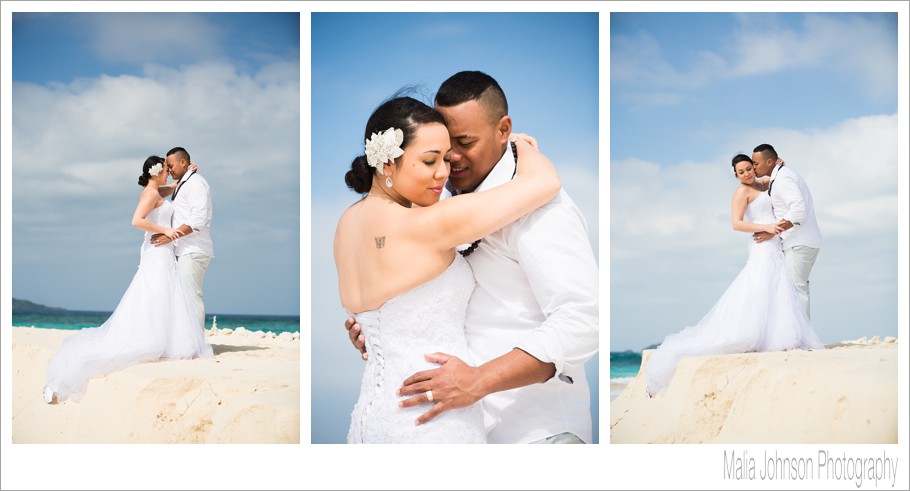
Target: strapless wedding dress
759, 311
426, 319
153, 321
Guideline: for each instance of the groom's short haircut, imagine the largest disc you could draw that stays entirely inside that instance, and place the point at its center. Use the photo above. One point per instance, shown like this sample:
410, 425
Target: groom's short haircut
766, 150
474, 86
181, 153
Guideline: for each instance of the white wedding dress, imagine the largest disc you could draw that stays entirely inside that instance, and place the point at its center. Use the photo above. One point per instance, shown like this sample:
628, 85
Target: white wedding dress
426, 319
153, 321
759, 311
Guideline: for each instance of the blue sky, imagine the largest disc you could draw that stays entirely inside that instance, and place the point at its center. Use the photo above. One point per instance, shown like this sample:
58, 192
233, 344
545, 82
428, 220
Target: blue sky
547, 65
690, 90
95, 93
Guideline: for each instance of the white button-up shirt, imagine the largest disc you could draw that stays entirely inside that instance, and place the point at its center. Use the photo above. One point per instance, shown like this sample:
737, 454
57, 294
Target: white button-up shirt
193, 207
792, 201
537, 290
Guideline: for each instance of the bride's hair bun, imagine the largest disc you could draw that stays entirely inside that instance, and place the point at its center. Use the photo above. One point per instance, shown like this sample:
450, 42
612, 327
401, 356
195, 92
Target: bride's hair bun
360, 177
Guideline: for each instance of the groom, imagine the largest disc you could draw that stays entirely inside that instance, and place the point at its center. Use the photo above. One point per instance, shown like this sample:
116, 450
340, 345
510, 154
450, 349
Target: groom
792, 202
533, 317
193, 211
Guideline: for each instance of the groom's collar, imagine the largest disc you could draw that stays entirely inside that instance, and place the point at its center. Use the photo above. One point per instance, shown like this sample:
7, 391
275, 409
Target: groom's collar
186, 176
501, 173
774, 171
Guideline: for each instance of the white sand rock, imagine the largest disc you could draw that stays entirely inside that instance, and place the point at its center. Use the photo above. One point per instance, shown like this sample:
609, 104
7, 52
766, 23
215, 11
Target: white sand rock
225, 332
890, 339
241, 331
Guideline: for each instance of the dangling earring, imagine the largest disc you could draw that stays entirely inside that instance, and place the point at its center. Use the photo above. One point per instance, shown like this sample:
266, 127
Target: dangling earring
388, 180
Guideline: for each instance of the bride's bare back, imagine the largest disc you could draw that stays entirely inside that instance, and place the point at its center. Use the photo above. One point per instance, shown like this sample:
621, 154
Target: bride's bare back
378, 258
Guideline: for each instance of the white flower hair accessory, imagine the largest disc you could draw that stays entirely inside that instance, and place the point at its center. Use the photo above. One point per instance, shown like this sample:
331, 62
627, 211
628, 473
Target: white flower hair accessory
384, 147
155, 169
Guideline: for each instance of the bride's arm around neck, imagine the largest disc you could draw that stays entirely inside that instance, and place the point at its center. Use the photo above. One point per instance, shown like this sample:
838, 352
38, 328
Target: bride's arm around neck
470, 216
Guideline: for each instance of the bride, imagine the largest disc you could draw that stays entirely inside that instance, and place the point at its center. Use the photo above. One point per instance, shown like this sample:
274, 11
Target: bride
153, 320
398, 270
760, 310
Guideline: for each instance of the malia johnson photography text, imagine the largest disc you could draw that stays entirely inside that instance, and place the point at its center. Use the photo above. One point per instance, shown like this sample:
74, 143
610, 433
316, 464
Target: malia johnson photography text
741, 465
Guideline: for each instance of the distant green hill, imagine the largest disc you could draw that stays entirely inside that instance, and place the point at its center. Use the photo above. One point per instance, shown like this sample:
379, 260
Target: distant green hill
26, 307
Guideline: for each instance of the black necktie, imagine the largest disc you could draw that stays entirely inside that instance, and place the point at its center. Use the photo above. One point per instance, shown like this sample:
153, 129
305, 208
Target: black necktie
770, 184
174, 196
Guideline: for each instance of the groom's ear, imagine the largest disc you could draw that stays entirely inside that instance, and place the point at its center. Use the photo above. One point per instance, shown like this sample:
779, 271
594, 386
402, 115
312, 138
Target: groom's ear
504, 128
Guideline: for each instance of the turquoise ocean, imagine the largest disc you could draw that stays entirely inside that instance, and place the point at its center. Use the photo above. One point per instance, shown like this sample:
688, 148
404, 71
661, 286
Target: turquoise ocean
624, 367
74, 320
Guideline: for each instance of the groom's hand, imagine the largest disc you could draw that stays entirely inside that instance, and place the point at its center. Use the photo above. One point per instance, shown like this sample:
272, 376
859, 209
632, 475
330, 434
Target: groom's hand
454, 385
356, 336
760, 237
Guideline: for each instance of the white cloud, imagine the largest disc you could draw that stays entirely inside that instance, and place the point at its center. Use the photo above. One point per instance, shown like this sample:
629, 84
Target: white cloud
673, 250
102, 129
864, 48
852, 46
651, 99
639, 60
152, 37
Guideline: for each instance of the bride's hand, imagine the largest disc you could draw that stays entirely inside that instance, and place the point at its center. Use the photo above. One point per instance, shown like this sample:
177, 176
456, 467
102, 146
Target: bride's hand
173, 233
193, 167
514, 137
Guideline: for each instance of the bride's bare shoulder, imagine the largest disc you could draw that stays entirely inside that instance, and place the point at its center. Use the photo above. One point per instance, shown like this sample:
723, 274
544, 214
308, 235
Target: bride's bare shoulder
741, 191
344, 222
149, 194
745, 193
350, 211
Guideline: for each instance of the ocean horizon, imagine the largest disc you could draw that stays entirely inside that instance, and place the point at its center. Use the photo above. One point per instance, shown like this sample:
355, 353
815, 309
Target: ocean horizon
75, 320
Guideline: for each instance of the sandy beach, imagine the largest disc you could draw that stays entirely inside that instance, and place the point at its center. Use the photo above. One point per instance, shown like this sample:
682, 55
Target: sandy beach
249, 392
844, 394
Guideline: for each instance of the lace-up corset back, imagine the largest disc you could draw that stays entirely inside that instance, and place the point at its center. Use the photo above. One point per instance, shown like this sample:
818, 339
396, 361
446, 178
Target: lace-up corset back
426, 319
